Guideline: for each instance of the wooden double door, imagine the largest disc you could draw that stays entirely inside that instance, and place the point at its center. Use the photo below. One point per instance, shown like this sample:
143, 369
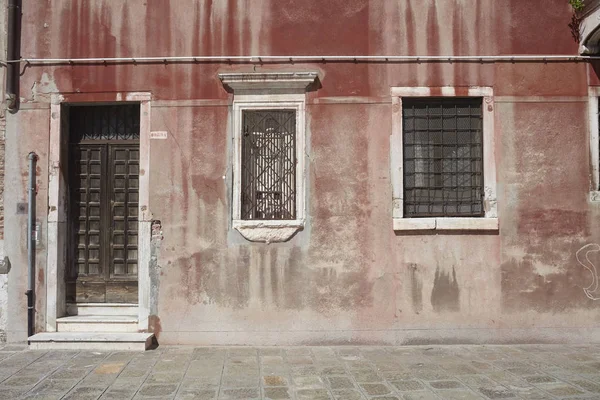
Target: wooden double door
103, 219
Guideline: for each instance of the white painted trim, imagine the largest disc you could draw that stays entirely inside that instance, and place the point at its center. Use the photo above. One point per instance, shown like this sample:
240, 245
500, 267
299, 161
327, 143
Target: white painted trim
56, 261
490, 220
466, 224
442, 91
490, 202
56, 204
593, 94
145, 215
414, 224
269, 231
396, 159
446, 224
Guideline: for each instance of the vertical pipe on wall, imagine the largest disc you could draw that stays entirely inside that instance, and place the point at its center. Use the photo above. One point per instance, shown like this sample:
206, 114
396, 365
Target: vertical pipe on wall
13, 52
31, 246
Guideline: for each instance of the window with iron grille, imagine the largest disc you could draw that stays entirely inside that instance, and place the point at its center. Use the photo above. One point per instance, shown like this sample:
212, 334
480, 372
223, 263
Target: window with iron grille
268, 170
443, 157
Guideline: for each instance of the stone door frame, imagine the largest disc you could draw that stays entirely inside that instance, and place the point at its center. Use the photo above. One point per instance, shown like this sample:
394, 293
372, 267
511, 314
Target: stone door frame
57, 201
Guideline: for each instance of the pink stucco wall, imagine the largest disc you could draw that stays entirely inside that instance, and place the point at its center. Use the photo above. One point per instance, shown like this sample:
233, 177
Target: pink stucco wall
348, 277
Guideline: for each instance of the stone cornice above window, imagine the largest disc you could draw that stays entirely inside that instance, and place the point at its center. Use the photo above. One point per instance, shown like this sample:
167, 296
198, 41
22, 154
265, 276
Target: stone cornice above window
269, 81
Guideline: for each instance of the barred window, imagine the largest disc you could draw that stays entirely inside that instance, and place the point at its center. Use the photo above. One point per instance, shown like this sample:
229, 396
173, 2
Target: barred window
268, 173
443, 157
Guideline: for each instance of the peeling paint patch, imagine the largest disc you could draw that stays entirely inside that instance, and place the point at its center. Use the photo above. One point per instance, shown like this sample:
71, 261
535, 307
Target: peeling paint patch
553, 222
42, 90
154, 325
523, 288
155, 271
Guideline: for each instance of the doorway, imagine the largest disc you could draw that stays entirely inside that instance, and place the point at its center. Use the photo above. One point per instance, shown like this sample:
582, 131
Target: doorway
103, 203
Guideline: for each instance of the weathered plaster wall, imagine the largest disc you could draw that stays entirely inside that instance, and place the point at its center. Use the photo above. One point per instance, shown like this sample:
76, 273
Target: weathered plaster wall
347, 277
27, 132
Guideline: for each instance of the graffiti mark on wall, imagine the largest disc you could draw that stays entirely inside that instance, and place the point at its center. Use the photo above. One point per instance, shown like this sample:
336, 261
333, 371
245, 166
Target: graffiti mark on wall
583, 258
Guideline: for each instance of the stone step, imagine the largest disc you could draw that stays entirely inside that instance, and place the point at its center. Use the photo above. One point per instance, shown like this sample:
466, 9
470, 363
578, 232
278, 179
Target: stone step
102, 309
91, 341
97, 323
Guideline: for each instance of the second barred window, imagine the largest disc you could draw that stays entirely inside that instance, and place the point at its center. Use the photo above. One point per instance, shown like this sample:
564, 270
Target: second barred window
443, 157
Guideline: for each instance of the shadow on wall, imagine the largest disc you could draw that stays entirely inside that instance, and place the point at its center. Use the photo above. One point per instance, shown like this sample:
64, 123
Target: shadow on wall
445, 293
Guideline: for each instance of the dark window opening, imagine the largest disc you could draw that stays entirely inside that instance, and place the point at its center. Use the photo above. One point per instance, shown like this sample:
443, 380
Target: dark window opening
268, 165
105, 122
443, 157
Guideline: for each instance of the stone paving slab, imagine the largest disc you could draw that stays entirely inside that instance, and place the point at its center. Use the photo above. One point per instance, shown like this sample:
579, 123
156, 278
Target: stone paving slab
299, 373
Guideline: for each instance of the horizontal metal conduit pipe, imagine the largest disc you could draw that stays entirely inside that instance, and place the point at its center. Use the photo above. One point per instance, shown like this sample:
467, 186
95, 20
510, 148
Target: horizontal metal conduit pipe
259, 59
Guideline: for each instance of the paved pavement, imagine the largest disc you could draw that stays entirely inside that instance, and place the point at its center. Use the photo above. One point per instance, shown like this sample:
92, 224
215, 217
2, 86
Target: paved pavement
348, 373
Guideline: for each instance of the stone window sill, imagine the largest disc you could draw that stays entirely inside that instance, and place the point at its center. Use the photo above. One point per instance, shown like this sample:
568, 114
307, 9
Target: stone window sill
268, 231
446, 224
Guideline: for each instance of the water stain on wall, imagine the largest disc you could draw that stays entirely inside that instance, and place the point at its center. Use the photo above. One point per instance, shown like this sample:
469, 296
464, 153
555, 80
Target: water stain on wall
270, 276
523, 287
416, 288
445, 295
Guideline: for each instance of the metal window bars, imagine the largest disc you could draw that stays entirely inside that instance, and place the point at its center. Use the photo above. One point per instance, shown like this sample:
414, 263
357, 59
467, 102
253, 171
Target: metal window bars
105, 122
443, 157
268, 190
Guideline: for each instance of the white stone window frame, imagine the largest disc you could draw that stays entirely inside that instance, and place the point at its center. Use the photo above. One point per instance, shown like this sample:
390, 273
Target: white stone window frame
593, 95
269, 91
489, 222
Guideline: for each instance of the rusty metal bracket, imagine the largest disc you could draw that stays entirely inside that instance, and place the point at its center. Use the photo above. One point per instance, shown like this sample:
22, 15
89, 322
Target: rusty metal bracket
4, 266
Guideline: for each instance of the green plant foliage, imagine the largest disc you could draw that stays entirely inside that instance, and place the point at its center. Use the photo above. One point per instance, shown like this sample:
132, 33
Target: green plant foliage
577, 4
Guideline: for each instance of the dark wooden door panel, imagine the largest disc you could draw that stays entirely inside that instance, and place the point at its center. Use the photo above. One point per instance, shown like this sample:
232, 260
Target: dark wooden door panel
82, 291
124, 211
121, 291
103, 207
88, 167
90, 170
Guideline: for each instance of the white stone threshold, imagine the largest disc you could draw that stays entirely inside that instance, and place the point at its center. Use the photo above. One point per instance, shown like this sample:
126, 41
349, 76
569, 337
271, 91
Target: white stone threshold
98, 323
102, 309
91, 341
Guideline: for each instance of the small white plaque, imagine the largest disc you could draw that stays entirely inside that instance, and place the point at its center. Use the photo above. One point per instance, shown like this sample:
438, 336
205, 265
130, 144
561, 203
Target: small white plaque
158, 135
